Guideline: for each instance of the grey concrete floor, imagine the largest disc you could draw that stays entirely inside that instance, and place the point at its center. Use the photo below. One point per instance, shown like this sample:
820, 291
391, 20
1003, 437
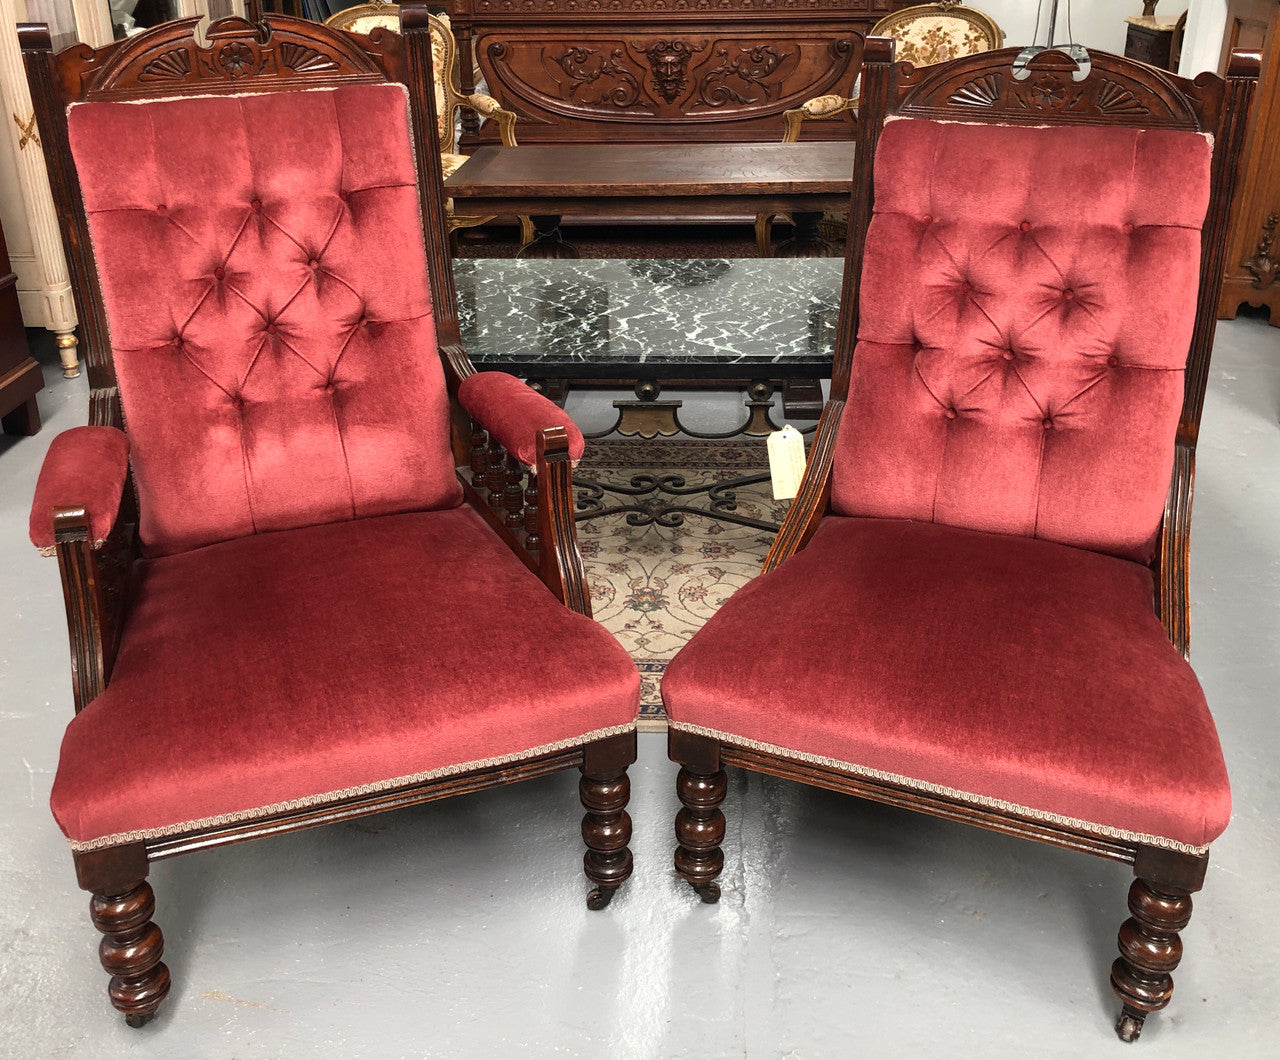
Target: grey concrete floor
846, 929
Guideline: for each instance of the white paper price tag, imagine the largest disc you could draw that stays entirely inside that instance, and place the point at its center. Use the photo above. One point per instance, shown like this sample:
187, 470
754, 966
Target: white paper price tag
786, 462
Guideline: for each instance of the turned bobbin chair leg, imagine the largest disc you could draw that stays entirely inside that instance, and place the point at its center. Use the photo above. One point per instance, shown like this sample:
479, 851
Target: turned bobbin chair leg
1150, 949
121, 907
606, 826
701, 786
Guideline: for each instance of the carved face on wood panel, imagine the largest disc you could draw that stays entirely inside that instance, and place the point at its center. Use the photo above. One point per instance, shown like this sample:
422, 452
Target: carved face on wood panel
669, 61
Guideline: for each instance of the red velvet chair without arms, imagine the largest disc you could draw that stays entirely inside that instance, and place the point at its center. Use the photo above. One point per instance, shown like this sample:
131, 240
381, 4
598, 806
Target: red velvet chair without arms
999, 489
280, 578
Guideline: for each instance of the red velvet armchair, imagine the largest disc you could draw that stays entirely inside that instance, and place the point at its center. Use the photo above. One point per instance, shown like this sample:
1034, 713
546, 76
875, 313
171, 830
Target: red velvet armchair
982, 585
307, 576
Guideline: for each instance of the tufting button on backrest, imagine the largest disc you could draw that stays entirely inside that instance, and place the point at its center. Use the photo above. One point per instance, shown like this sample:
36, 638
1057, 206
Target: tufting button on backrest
950, 414
1068, 294
1047, 424
966, 287
927, 219
162, 208
271, 329
1025, 226
312, 263
219, 273
1007, 355
255, 205
1127, 226
1113, 360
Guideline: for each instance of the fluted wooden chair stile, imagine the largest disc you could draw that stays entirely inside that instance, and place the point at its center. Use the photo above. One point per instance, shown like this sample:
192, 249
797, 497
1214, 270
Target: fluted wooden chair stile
983, 580
299, 516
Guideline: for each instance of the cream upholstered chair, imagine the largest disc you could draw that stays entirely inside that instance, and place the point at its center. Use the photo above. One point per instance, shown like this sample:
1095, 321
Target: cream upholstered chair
925, 34
379, 14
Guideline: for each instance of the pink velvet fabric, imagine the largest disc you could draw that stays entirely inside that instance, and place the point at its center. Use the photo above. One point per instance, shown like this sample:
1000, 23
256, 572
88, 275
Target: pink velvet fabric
266, 290
85, 467
514, 414
286, 665
1005, 667
1027, 304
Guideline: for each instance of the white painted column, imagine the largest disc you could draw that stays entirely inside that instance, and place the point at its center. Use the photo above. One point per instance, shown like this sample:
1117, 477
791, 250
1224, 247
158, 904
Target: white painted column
55, 300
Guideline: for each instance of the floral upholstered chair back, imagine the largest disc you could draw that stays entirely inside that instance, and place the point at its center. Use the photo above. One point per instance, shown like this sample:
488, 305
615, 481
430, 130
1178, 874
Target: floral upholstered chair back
934, 33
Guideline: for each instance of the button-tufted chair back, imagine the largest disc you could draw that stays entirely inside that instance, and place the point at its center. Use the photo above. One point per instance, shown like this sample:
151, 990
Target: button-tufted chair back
1027, 300
265, 286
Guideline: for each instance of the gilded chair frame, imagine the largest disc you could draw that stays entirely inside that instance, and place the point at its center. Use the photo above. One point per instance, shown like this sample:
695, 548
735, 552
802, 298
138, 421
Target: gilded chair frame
538, 527
385, 15
1159, 898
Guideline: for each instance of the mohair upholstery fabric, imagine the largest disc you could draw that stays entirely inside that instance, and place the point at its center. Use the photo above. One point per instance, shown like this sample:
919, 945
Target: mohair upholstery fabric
264, 277
513, 413
286, 665
1005, 667
85, 466
1027, 302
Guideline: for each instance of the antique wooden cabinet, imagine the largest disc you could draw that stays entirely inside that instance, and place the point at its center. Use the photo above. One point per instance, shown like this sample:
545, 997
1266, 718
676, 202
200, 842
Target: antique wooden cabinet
1253, 255
20, 375
604, 71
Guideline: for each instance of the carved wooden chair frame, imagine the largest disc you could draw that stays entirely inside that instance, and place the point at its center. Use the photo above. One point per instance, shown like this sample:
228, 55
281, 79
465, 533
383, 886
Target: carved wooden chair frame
1159, 898
532, 512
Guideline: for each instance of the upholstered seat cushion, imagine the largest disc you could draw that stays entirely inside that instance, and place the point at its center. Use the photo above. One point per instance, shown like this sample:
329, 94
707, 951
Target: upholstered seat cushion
280, 669
1023, 673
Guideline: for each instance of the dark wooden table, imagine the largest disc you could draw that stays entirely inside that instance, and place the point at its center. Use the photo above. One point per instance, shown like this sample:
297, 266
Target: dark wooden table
548, 182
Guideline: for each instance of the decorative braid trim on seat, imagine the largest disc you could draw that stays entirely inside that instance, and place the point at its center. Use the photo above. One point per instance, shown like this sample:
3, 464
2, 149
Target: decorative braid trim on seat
984, 801
219, 820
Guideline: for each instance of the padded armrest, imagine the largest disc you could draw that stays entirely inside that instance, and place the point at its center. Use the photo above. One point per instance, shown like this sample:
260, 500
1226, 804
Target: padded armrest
86, 467
515, 413
482, 104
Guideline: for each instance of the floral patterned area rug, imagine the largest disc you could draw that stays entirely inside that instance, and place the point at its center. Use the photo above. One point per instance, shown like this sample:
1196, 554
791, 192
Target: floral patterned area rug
653, 585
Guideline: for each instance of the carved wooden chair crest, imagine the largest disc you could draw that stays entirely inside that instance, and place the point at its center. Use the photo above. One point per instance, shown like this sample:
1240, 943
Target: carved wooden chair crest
449, 97
1000, 488
925, 34
313, 581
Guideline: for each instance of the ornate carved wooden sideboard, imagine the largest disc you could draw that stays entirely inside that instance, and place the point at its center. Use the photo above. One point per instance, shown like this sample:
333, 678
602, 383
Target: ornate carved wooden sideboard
660, 70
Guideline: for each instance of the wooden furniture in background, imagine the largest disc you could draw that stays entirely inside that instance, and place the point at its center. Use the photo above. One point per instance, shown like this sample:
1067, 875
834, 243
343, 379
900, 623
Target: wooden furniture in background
406, 528
652, 71
1150, 39
653, 180
1253, 251
912, 667
20, 375
925, 34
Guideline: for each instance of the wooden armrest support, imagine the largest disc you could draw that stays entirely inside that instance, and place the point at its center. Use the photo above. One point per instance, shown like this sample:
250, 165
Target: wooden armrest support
560, 561
813, 500
95, 584
1172, 561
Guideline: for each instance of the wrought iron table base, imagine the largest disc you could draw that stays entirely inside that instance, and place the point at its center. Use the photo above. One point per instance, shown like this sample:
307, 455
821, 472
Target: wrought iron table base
650, 507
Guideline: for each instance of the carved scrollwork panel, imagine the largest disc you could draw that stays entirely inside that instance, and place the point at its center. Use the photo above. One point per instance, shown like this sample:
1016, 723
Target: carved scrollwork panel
667, 81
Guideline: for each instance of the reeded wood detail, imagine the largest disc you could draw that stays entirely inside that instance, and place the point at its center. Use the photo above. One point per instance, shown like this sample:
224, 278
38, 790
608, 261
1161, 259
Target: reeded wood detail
1150, 949
700, 830
130, 952
605, 790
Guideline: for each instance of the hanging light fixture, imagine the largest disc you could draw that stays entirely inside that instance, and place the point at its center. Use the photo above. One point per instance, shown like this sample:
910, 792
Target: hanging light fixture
1076, 51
